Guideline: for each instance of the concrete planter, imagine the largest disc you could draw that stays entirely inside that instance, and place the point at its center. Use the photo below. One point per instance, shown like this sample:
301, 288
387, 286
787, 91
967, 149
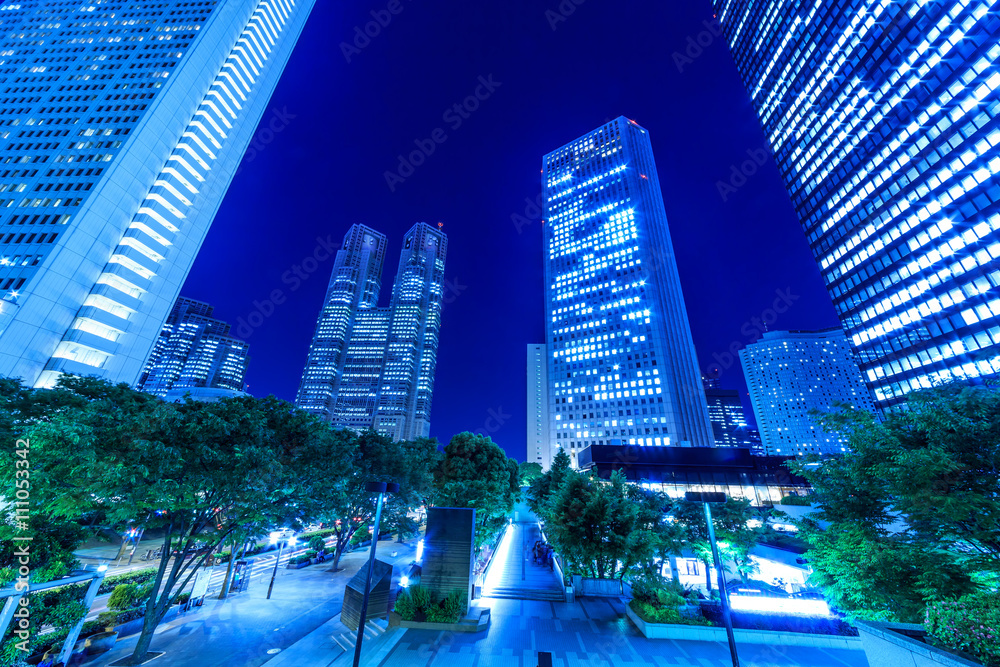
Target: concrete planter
477, 621
135, 627
901, 644
769, 637
298, 566
600, 588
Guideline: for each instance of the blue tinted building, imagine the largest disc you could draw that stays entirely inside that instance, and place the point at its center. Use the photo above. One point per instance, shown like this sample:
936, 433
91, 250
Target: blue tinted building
882, 117
621, 362
121, 127
372, 367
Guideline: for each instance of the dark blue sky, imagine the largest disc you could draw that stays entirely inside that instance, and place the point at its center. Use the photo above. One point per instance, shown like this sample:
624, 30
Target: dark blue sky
340, 126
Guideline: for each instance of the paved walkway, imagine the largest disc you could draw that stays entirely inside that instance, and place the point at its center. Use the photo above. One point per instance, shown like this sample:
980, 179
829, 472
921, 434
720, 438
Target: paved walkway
247, 629
515, 575
589, 633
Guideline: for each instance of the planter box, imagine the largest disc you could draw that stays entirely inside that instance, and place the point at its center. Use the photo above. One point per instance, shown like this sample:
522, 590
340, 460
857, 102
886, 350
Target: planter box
599, 588
101, 642
477, 621
135, 627
769, 637
900, 644
298, 566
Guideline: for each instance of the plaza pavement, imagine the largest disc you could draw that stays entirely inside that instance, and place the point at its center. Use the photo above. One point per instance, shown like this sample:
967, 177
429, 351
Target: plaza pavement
242, 630
592, 632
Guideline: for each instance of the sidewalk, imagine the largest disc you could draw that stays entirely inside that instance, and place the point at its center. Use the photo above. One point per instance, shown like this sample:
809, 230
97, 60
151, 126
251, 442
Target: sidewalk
592, 632
247, 629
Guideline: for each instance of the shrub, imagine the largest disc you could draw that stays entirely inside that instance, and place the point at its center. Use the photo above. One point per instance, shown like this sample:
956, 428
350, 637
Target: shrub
183, 597
125, 596
107, 619
405, 607
295, 560
415, 604
796, 500
653, 614
316, 542
310, 553
135, 577
970, 623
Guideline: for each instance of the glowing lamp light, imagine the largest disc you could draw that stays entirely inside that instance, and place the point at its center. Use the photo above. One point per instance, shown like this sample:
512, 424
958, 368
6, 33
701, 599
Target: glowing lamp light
420, 550
102, 568
404, 581
274, 537
780, 605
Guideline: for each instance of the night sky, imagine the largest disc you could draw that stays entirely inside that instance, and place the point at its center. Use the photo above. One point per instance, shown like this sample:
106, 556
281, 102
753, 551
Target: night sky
335, 127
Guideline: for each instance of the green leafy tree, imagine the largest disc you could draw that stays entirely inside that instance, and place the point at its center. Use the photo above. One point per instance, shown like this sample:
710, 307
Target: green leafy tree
528, 472
198, 471
917, 495
475, 472
344, 503
739, 527
545, 485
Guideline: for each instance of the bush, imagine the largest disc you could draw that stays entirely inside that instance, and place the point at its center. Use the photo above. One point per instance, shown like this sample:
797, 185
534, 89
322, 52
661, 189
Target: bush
801, 501
182, 598
125, 596
107, 619
415, 604
295, 560
316, 542
970, 623
310, 553
653, 614
135, 577
405, 607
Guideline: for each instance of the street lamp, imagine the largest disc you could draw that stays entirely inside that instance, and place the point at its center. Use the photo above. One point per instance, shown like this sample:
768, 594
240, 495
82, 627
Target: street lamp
276, 539
381, 488
707, 498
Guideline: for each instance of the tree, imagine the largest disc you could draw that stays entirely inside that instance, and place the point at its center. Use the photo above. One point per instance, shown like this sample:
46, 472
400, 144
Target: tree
475, 472
916, 494
528, 472
739, 527
198, 471
369, 457
544, 486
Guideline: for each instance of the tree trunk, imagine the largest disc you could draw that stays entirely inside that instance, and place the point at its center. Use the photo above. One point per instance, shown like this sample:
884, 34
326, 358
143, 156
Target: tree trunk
229, 573
708, 577
149, 623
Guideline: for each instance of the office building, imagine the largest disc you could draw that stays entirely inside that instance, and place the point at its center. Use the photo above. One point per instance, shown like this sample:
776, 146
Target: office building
539, 448
790, 373
622, 365
194, 350
122, 127
372, 367
881, 117
725, 411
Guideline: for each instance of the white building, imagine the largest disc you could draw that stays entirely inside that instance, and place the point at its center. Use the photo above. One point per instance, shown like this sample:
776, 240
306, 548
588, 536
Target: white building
790, 373
122, 127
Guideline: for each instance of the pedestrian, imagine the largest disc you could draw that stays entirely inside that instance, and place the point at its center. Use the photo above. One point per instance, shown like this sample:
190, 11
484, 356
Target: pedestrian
550, 556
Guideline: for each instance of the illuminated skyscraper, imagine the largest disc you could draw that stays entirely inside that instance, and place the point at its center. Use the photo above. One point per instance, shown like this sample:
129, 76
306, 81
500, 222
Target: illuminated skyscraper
372, 367
882, 117
194, 350
622, 365
539, 448
122, 126
729, 424
790, 373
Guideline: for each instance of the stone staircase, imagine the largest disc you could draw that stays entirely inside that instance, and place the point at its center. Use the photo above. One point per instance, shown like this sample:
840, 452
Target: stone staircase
347, 640
520, 578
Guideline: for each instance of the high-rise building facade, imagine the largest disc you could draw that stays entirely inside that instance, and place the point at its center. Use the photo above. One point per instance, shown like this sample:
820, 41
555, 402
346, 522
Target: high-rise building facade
194, 350
621, 361
729, 423
790, 373
372, 367
882, 118
539, 449
122, 126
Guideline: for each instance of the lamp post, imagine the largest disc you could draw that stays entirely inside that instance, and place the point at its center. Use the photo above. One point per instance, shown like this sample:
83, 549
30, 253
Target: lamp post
381, 488
707, 499
276, 539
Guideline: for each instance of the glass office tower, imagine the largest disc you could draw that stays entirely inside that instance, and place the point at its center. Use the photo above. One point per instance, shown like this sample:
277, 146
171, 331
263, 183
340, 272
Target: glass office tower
373, 367
621, 363
122, 125
882, 117
194, 350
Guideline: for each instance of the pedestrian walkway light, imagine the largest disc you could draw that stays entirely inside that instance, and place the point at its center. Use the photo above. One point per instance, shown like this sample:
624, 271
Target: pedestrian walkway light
707, 498
381, 488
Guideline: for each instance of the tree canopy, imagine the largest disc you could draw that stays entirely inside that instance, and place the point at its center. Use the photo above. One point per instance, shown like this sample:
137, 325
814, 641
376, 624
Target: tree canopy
914, 505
